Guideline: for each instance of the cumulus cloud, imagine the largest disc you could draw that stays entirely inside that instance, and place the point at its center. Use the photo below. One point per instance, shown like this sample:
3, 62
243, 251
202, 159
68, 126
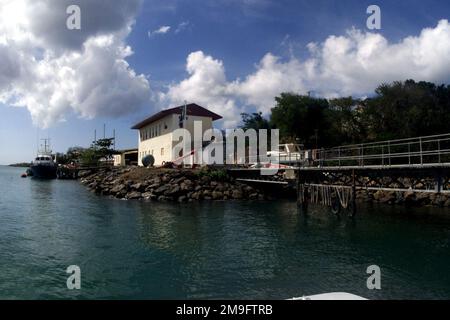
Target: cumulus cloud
207, 85
160, 30
352, 64
54, 71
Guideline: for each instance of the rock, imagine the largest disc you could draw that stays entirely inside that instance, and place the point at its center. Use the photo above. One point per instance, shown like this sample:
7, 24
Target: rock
84, 173
148, 195
118, 189
409, 197
253, 196
237, 194
138, 187
378, 195
205, 180
423, 198
182, 199
173, 191
178, 180
439, 200
163, 189
206, 193
217, 195
389, 197
133, 195
196, 196
186, 185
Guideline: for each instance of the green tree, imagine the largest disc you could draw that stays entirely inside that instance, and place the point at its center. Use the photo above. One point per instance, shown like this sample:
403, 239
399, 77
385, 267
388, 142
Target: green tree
345, 118
407, 109
100, 150
254, 121
302, 119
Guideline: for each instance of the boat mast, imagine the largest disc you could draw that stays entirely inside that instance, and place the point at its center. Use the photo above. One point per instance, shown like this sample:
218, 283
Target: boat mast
46, 147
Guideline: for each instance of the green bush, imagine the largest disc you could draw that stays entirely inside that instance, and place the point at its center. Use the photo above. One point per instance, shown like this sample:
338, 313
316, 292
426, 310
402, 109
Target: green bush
214, 174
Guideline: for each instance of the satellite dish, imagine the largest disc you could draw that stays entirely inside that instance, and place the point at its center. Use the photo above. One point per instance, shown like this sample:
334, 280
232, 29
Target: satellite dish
148, 161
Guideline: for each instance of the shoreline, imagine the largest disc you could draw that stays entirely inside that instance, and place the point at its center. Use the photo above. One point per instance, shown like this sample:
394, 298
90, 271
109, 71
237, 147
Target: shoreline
188, 185
169, 185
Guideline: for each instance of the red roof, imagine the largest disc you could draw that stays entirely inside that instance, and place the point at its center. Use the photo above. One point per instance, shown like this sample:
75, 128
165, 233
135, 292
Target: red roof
192, 110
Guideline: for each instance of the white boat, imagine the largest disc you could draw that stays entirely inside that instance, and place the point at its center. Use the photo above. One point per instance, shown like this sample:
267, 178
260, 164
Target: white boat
337, 296
289, 152
43, 166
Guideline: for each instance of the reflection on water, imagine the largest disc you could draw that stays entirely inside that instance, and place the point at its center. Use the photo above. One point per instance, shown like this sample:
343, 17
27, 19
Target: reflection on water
244, 250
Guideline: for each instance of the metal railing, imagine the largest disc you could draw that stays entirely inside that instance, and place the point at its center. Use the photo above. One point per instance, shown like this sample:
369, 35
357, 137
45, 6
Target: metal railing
427, 150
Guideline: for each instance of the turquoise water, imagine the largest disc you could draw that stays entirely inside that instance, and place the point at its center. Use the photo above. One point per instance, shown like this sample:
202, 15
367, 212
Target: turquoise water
216, 250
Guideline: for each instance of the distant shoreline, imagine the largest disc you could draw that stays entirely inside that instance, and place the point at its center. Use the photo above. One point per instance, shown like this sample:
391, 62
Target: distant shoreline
20, 165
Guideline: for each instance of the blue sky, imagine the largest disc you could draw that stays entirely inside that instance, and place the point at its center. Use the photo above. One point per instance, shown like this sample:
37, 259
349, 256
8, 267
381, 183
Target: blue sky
224, 42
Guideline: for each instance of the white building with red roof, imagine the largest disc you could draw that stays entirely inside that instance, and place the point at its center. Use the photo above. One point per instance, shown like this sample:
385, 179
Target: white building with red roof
156, 131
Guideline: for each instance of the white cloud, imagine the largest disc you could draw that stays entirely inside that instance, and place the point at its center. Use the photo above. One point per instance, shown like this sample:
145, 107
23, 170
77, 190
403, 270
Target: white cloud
182, 26
166, 29
353, 64
54, 72
207, 86
160, 30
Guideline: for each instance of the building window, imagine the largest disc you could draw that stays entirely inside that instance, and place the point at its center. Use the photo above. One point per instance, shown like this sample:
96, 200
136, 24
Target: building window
162, 151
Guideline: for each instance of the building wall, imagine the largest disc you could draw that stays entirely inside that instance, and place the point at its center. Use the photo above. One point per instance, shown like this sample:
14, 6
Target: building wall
160, 147
119, 160
156, 138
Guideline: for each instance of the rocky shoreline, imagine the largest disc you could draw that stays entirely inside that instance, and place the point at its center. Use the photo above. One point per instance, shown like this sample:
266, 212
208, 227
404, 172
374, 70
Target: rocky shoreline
187, 185
409, 198
177, 185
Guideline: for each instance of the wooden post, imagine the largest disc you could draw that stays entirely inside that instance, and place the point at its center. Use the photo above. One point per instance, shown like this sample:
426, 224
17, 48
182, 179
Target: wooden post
302, 193
299, 187
353, 194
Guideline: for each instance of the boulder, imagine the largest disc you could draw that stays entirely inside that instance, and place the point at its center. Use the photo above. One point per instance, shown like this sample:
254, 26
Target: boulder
378, 195
173, 191
217, 195
148, 196
253, 196
237, 194
138, 187
134, 195
389, 197
118, 189
162, 189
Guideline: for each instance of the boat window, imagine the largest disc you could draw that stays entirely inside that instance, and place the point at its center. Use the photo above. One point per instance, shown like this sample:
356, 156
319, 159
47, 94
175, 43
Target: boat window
282, 148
